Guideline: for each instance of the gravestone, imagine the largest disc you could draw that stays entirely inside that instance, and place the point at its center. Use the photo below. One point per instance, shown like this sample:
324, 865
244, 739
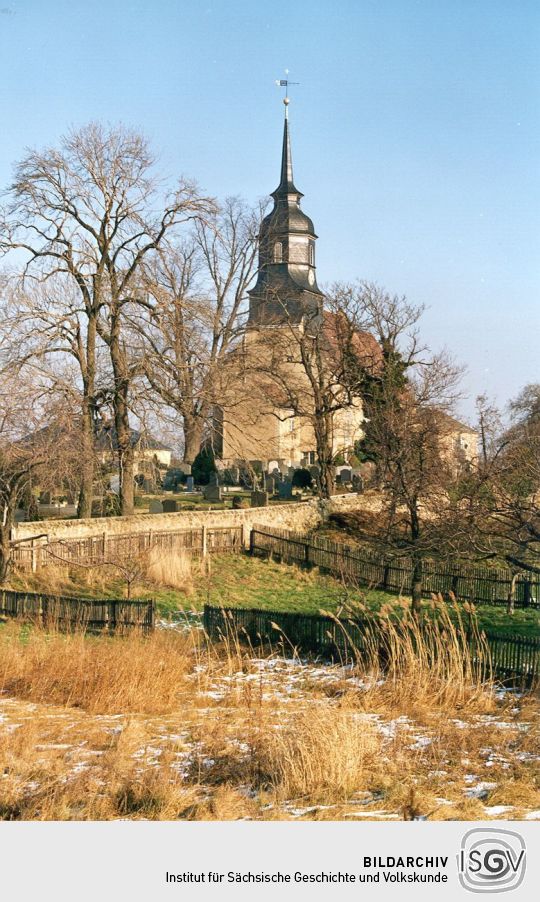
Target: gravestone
190, 485
213, 492
346, 475
170, 505
285, 489
259, 499
232, 475
357, 483
270, 484
155, 507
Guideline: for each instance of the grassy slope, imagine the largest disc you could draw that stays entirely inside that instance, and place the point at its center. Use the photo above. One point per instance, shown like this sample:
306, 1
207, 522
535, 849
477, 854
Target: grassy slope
241, 581
259, 583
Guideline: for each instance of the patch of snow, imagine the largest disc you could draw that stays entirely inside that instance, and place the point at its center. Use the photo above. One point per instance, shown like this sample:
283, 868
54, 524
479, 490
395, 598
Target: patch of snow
421, 742
498, 809
54, 745
480, 791
373, 815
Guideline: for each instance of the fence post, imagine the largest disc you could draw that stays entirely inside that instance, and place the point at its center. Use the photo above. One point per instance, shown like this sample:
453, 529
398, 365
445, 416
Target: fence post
104, 539
33, 552
204, 541
251, 540
306, 553
150, 539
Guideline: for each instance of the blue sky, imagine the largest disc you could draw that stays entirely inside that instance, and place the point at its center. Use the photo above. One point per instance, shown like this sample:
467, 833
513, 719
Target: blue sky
416, 132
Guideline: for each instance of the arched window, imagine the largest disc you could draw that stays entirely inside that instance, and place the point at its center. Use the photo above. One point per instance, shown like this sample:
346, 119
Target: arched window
312, 253
278, 252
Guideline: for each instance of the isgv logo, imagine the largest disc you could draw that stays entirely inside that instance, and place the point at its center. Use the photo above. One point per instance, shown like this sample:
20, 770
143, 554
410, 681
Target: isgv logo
491, 861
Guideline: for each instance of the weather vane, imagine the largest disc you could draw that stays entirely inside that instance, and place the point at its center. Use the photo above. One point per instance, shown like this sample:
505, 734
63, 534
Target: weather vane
285, 83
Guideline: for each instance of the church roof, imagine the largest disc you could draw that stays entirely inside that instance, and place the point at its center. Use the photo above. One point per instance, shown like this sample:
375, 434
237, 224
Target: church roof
449, 424
107, 440
338, 333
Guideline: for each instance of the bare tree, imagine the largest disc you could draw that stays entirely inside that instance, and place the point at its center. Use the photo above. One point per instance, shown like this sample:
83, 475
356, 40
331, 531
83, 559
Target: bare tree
37, 447
502, 498
196, 295
407, 434
489, 428
87, 211
46, 330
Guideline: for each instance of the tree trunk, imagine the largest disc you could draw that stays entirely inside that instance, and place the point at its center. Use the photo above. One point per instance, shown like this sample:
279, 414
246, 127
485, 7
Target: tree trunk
126, 455
88, 365
417, 561
324, 456
511, 600
416, 588
86, 491
326, 479
5, 547
193, 430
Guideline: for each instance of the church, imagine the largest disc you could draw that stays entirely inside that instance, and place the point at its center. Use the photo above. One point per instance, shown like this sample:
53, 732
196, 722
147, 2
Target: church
266, 415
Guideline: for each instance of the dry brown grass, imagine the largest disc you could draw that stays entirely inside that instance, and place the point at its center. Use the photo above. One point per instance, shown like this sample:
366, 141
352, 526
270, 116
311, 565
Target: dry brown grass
170, 726
423, 665
100, 674
324, 755
153, 568
173, 569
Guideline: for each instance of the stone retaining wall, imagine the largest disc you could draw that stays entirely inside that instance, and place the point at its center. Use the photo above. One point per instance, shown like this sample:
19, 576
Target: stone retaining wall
299, 516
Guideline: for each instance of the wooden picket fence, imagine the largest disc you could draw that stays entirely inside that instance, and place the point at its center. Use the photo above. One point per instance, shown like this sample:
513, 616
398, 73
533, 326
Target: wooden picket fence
53, 611
477, 584
511, 658
99, 549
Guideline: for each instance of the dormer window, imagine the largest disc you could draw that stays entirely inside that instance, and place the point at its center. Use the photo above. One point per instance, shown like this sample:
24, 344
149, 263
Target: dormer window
312, 253
278, 252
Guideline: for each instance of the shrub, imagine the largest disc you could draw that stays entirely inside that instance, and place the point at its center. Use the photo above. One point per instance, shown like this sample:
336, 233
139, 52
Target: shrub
203, 466
302, 479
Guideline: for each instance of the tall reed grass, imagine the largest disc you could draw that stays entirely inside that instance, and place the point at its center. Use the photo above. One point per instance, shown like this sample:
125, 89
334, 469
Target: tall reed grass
172, 725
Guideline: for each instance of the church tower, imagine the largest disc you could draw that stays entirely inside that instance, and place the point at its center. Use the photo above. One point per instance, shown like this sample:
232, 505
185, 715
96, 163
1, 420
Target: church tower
256, 422
286, 288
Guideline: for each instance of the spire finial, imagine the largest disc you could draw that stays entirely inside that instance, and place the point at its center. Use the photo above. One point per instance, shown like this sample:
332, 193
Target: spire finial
284, 83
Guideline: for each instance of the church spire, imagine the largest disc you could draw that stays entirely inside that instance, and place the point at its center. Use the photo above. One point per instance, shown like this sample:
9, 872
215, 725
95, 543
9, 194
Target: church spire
286, 185
286, 289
